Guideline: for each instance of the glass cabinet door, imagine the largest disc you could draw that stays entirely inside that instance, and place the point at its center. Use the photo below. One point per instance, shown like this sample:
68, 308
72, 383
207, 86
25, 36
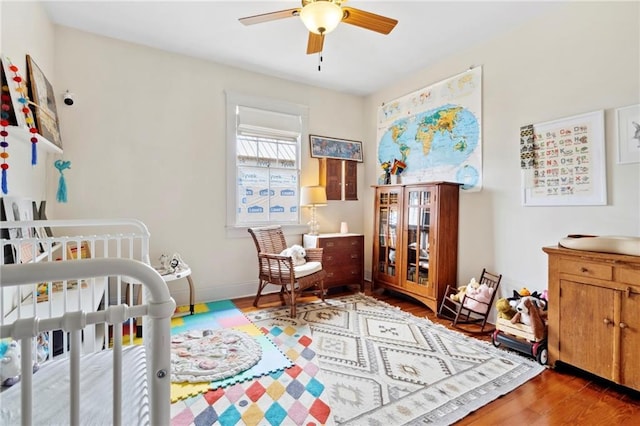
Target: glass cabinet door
417, 236
387, 232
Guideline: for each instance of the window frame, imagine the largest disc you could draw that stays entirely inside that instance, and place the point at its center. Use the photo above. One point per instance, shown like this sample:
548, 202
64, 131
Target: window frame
233, 100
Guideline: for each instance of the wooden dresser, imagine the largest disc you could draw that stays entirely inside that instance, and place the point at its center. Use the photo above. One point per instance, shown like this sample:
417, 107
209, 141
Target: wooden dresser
594, 313
343, 258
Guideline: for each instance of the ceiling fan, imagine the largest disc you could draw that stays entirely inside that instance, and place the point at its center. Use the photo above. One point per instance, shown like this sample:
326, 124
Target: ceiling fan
323, 16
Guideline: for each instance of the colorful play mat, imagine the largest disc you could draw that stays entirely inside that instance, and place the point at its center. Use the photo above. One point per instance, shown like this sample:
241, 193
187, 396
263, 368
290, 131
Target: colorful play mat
208, 355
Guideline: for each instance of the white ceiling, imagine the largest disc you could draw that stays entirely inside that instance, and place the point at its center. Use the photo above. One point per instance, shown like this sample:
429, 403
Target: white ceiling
356, 60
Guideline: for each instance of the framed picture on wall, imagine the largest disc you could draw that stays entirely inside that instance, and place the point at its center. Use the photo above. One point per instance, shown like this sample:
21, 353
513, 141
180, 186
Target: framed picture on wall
628, 131
340, 149
569, 167
43, 96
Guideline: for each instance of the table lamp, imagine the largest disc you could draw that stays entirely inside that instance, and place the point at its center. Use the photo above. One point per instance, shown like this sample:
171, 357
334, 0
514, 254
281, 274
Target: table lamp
313, 196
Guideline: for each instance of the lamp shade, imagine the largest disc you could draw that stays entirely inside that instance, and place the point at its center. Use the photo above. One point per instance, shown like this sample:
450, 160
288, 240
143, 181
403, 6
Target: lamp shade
313, 196
321, 16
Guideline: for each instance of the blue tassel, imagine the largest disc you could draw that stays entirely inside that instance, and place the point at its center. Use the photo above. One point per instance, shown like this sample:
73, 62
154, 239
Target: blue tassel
4, 182
34, 154
61, 196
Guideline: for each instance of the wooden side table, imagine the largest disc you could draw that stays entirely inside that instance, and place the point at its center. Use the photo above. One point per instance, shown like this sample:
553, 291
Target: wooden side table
179, 274
168, 277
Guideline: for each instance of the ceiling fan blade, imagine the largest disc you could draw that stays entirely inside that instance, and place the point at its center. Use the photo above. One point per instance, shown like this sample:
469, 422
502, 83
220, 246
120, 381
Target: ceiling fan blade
368, 20
314, 45
271, 16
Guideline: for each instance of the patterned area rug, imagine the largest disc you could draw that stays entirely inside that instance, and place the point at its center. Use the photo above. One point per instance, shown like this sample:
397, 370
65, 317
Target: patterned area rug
221, 315
382, 366
295, 396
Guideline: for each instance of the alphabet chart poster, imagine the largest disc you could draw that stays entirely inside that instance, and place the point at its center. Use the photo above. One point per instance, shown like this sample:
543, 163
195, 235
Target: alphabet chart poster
568, 165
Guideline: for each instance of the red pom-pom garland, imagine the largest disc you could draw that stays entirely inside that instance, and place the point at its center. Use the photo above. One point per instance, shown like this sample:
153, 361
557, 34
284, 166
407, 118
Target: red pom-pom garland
4, 133
6, 106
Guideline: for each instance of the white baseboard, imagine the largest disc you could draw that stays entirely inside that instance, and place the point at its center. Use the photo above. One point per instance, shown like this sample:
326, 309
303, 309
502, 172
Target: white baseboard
212, 293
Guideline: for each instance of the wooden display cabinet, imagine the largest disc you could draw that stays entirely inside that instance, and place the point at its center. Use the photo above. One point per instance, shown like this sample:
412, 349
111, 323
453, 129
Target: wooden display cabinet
415, 239
593, 324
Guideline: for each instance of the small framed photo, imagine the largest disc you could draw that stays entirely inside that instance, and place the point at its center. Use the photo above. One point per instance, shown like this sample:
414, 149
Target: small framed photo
340, 149
15, 209
628, 130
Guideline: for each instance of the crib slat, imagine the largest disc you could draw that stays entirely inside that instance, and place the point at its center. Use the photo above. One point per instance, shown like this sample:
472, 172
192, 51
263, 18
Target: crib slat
74, 414
27, 382
117, 374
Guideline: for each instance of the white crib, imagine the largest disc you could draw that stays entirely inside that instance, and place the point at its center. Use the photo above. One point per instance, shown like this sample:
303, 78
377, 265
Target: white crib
81, 295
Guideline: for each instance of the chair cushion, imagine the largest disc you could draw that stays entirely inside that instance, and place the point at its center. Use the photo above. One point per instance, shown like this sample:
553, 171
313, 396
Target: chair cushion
307, 269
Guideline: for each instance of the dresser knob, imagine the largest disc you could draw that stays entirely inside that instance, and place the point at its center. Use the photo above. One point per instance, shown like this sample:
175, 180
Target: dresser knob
584, 270
607, 321
622, 325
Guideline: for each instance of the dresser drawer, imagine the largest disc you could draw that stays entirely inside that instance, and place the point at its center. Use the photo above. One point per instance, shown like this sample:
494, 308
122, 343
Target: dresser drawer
627, 276
332, 245
341, 258
586, 269
344, 274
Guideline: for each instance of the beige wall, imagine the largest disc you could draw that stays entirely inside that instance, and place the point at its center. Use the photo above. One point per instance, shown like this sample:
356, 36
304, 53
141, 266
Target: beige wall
581, 57
146, 139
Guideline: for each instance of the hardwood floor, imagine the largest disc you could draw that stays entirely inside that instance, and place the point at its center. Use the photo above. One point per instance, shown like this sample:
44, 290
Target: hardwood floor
555, 397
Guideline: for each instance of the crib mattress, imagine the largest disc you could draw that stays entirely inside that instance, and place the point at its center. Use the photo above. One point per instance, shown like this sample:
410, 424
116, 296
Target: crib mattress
51, 391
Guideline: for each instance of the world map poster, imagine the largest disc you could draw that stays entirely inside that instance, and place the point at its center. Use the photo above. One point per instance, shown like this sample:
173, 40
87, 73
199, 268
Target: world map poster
435, 132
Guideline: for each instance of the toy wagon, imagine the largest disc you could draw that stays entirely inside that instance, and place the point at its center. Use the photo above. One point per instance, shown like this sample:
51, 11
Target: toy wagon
520, 337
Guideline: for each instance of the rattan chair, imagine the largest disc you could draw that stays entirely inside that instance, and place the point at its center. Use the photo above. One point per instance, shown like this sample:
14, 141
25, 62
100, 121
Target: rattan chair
459, 312
279, 270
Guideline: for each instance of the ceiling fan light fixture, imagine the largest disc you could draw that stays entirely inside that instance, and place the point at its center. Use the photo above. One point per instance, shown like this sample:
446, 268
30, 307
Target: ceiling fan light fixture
321, 16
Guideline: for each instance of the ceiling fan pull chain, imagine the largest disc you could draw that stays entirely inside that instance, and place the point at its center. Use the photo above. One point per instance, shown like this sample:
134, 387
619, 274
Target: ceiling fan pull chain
319, 61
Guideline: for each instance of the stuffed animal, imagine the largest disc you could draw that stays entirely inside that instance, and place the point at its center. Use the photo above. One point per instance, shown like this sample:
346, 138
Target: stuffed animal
505, 310
518, 295
462, 290
529, 312
297, 253
9, 363
459, 295
540, 300
478, 297
523, 309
